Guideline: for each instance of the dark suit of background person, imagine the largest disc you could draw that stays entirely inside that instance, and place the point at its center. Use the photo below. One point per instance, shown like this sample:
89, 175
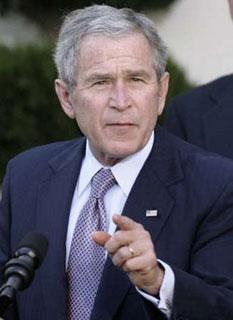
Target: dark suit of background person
193, 193
191, 190
204, 116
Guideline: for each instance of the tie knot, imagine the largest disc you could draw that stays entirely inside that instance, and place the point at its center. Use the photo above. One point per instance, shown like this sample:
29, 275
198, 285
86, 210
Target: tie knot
102, 181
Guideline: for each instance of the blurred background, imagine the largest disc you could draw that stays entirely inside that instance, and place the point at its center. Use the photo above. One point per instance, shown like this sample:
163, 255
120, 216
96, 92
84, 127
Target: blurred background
198, 34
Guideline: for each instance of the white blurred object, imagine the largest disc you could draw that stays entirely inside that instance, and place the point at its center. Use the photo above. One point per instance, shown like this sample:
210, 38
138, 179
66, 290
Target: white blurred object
199, 35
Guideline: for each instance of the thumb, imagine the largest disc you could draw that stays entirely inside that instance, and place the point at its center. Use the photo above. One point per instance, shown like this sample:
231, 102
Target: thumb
100, 237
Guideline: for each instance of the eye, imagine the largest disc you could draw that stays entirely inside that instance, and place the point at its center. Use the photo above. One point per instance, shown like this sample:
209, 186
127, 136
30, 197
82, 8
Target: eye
137, 79
100, 82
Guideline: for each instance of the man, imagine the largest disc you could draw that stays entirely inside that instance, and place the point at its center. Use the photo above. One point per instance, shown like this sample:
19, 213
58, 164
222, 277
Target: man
172, 203
204, 115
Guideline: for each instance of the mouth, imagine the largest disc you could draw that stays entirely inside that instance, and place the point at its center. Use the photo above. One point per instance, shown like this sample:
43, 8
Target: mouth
121, 124
121, 129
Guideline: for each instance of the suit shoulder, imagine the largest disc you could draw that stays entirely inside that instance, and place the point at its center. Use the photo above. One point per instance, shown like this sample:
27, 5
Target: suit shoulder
193, 156
42, 154
201, 97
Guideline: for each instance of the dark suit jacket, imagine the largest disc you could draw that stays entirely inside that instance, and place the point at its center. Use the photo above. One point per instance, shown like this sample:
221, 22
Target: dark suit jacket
204, 116
193, 232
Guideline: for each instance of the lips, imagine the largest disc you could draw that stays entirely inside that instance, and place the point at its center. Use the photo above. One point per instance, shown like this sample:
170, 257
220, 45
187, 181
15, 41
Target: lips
121, 129
121, 124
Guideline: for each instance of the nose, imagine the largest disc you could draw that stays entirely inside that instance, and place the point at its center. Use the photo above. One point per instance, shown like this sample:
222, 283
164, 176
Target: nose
120, 98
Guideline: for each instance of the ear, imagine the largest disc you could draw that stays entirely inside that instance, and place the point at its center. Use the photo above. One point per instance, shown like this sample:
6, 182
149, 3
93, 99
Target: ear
64, 97
163, 90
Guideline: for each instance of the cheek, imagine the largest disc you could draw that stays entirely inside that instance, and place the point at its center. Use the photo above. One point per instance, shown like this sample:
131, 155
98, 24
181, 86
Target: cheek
88, 116
149, 112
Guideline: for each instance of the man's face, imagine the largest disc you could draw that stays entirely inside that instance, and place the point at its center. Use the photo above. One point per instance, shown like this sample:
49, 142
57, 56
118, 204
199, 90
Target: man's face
117, 98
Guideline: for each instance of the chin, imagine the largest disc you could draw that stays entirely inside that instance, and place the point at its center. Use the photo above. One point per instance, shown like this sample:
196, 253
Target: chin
122, 151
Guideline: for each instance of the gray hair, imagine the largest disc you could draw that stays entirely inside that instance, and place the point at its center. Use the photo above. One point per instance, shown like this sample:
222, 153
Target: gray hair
104, 20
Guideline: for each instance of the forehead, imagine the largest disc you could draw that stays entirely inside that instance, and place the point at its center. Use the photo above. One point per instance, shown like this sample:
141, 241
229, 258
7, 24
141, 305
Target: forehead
97, 50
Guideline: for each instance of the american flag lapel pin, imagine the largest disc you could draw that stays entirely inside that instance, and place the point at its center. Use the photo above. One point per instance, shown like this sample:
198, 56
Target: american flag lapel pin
152, 213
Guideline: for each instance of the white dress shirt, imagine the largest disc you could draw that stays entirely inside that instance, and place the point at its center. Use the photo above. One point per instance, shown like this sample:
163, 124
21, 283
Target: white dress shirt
125, 173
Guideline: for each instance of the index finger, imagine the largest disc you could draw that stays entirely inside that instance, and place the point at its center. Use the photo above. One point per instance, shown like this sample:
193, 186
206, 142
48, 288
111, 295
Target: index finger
125, 223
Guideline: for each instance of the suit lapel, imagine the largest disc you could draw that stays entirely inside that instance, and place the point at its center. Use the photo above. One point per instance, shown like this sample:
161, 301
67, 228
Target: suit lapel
217, 122
150, 191
54, 201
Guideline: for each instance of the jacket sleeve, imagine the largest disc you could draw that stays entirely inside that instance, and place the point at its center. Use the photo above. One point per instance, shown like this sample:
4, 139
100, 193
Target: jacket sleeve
205, 290
5, 223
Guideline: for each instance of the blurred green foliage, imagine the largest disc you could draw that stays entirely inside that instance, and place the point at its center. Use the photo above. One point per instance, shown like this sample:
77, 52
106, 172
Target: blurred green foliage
178, 80
43, 5
47, 13
30, 114
29, 111
178, 83
33, 8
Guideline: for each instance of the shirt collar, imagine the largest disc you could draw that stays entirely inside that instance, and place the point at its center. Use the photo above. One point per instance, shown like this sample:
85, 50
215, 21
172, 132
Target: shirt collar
90, 166
125, 171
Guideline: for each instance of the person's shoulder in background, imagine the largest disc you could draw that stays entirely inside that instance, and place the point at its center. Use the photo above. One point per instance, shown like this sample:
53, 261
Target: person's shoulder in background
184, 114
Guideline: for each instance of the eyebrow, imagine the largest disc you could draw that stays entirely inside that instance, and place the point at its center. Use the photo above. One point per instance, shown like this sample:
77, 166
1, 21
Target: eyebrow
98, 76
138, 73
132, 73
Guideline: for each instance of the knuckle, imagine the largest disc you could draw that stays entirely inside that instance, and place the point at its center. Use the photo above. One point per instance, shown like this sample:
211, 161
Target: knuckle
108, 246
137, 282
127, 265
116, 261
118, 235
140, 226
121, 253
151, 261
151, 256
147, 234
